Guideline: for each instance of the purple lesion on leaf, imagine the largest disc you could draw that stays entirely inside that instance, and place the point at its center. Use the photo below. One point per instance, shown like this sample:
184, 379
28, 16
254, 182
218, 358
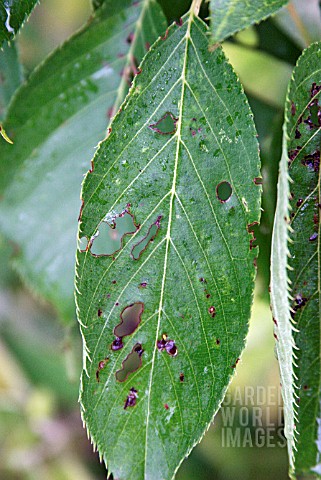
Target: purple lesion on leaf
292, 154
313, 237
166, 125
141, 246
168, 345
117, 344
194, 129
132, 362
109, 238
130, 319
131, 398
212, 311
293, 108
179, 22
315, 89
250, 229
312, 161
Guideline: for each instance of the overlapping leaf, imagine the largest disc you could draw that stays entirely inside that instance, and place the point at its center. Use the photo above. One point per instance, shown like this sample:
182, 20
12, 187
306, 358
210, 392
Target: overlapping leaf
230, 16
297, 234
12, 15
180, 166
55, 121
10, 74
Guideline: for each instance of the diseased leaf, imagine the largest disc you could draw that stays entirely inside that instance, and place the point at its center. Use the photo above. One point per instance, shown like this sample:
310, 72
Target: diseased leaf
295, 290
10, 75
13, 13
55, 121
230, 16
165, 314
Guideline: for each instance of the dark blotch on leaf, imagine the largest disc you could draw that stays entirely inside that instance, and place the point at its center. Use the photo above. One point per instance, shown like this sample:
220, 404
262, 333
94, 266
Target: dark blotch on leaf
117, 344
224, 191
100, 312
212, 311
181, 377
166, 125
312, 161
250, 229
131, 399
299, 202
168, 345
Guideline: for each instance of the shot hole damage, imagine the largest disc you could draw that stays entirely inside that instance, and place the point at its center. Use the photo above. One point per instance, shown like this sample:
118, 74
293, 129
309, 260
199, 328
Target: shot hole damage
168, 345
165, 125
224, 191
212, 311
141, 246
132, 362
130, 319
83, 244
109, 237
131, 398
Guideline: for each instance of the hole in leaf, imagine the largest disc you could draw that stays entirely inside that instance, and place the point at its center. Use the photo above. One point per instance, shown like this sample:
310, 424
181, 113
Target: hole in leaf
131, 398
83, 244
223, 191
212, 311
166, 125
132, 362
168, 345
130, 319
138, 249
109, 237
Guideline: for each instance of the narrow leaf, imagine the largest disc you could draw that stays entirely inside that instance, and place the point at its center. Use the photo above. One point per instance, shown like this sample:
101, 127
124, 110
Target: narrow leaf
165, 312
295, 274
13, 13
55, 121
230, 16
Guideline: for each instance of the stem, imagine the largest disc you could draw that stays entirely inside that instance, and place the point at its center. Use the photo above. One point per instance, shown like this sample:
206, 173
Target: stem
195, 8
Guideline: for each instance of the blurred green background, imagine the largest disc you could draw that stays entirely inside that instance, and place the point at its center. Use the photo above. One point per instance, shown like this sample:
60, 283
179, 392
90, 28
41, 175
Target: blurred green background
41, 433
